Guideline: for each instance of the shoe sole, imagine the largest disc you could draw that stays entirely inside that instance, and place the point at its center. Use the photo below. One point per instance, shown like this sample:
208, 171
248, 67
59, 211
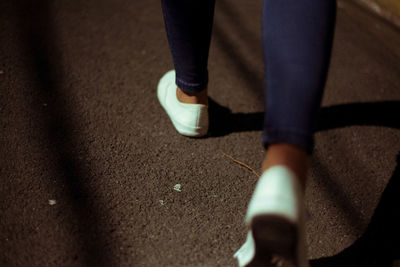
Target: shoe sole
275, 240
188, 131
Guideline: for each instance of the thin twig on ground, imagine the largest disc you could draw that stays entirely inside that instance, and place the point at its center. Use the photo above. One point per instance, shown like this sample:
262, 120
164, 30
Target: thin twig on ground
240, 163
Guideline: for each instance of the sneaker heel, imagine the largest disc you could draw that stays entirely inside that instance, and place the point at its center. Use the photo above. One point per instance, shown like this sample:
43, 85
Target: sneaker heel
274, 236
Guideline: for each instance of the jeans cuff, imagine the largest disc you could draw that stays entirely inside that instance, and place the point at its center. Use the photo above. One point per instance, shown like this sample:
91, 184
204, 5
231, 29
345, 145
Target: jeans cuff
281, 136
191, 87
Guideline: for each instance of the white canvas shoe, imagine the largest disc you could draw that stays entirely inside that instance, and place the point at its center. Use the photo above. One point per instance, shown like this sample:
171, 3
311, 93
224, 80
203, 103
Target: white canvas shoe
275, 218
188, 119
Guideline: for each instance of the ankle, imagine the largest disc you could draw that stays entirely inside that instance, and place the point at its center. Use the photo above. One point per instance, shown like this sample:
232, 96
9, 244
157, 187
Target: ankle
195, 98
291, 156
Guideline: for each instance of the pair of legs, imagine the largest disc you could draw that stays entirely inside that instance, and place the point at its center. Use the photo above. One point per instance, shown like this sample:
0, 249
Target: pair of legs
297, 41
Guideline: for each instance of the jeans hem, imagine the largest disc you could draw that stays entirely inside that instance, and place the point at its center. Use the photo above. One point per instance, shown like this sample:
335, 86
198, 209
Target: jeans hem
191, 88
281, 136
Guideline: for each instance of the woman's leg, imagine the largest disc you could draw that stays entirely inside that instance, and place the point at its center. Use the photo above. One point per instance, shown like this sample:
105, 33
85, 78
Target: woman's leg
182, 92
189, 25
297, 41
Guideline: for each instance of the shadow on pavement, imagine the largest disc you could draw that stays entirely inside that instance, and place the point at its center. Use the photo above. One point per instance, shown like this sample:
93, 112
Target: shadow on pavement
39, 41
223, 121
379, 246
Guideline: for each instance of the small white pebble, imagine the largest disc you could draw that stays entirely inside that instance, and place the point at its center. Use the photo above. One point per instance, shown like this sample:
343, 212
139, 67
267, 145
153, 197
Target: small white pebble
52, 202
177, 187
161, 202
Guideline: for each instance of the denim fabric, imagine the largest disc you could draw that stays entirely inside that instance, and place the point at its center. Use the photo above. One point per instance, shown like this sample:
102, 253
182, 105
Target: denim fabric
297, 42
188, 24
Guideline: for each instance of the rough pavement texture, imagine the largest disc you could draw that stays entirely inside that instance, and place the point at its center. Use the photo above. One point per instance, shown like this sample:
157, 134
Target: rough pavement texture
80, 124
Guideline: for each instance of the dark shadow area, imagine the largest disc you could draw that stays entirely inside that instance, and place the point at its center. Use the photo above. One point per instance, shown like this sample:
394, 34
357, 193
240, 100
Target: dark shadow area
379, 246
223, 121
39, 41
363, 114
386, 114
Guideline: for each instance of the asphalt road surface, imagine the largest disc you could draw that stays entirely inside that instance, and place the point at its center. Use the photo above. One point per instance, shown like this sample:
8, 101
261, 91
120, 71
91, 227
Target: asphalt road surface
90, 163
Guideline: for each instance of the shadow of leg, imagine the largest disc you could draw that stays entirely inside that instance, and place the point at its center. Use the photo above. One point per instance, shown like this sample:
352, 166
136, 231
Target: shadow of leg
223, 121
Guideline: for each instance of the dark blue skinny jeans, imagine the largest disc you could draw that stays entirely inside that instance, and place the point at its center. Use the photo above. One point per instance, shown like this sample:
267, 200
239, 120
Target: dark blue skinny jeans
297, 41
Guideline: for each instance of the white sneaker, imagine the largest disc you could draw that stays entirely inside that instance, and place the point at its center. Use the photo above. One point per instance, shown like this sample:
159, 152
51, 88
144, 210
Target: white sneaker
275, 218
188, 119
